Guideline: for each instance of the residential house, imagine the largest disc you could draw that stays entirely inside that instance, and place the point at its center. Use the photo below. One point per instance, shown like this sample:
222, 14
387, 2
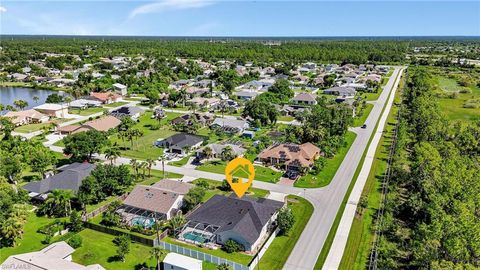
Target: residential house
18, 77
175, 261
105, 97
304, 99
133, 112
70, 177
181, 143
229, 125
207, 103
292, 157
84, 103
120, 88
217, 149
246, 95
244, 220
187, 119
151, 202
53, 257
53, 110
101, 124
340, 91
356, 86
20, 118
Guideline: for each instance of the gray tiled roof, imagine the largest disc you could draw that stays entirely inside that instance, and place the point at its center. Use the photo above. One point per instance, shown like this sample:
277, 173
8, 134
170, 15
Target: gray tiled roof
183, 139
245, 216
70, 178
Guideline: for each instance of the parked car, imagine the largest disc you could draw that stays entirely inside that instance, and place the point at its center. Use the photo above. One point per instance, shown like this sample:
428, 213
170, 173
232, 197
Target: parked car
364, 126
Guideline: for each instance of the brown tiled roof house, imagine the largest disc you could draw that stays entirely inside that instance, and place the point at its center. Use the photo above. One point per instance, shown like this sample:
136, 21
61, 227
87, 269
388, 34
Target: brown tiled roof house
292, 156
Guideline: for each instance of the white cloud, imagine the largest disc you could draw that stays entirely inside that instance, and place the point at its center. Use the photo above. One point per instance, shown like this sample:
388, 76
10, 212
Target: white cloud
3, 9
165, 5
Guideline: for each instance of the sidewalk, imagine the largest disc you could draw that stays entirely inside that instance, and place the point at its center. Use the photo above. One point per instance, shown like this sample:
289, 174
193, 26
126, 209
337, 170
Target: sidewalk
339, 242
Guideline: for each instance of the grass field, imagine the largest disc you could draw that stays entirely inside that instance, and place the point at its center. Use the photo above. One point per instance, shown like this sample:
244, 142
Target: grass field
285, 118
143, 148
34, 127
87, 111
331, 167
453, 108
181, 162
281, 247
358, 121
98, 248
31, 240
261, 173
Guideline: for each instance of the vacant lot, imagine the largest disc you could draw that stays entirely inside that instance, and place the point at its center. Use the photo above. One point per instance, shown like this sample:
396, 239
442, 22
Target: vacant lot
99, 248
454, 107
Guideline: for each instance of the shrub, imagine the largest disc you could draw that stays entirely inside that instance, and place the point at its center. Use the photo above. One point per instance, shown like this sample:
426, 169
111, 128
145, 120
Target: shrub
75, 241
285, 220
202, 183
465, 91
232, 246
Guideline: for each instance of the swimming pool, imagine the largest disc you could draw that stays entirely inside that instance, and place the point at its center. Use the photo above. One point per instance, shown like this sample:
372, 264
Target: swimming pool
142, 221
194, 236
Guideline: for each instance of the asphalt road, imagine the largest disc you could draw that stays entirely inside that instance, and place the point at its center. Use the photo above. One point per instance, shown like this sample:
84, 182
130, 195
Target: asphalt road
326, 200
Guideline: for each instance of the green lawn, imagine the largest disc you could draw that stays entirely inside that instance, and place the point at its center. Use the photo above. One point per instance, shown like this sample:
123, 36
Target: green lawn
34, 127
214, 189
87, 111
331, 167
116, 104
261, 173
181, 162
143, 148
358, 121
98, 248
31, 240
285, 118
281, 247
238, 257
453, 108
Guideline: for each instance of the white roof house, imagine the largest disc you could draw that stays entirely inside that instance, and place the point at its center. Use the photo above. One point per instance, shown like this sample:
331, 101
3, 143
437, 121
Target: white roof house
55, 256
176, 261
52, 109
120, 88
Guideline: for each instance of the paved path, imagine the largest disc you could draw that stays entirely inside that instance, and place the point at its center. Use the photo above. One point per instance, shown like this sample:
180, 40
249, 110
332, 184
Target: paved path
336, 252
326, 200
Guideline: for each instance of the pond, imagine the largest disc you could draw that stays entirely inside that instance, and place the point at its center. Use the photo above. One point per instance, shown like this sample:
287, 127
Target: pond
10, 94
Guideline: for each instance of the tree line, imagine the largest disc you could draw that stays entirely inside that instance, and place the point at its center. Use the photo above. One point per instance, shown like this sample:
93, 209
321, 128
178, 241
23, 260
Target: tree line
432, 212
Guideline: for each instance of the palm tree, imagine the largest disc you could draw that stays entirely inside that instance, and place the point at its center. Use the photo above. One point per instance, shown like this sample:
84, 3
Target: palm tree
134, 164
20, 104
112, 154
68, 99
150, 163
208, 152
176, 222
12, 229
162, 159
193, 106
10, 108
2, 107
183, 95
59, 202
143, 166
157, 252
35, 98
227, 153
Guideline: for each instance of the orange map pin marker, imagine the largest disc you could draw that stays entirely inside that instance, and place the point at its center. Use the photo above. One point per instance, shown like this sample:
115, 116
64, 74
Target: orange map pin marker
239, 174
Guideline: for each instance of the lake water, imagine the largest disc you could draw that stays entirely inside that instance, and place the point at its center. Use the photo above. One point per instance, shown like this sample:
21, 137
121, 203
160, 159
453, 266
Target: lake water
10, 94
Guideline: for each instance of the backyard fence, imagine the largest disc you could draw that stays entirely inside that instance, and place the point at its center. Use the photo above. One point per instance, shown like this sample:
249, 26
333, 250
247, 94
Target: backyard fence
262, 251
113, 231
98, 211
199, 255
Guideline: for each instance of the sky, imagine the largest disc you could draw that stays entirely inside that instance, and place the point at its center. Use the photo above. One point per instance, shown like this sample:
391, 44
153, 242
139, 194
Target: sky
240, 18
